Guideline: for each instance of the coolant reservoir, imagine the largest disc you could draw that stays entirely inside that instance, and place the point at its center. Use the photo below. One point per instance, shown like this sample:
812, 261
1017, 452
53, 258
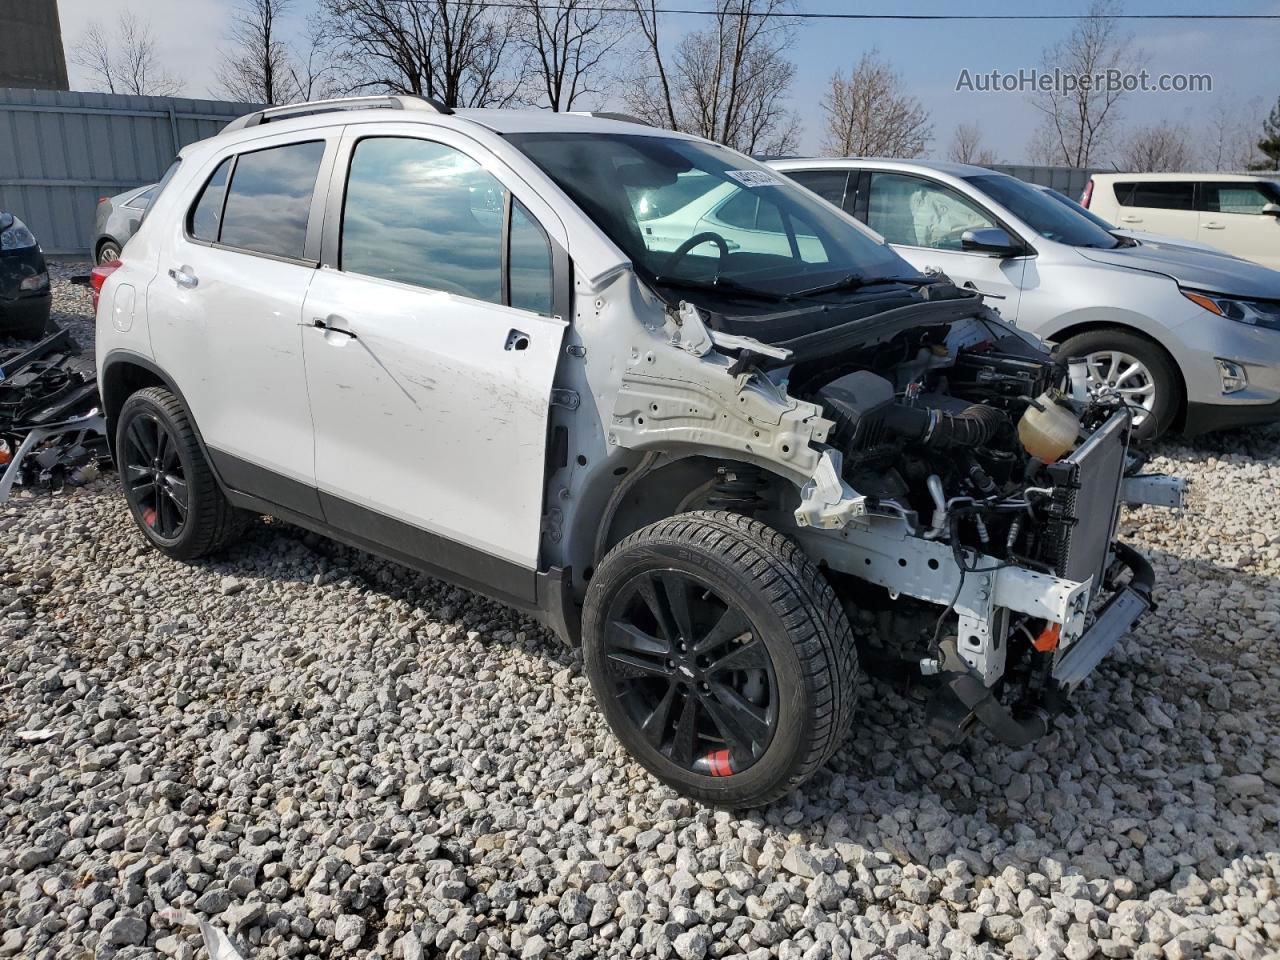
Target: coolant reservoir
1050, 431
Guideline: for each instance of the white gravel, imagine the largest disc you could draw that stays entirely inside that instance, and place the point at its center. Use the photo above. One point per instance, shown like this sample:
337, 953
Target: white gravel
327, 755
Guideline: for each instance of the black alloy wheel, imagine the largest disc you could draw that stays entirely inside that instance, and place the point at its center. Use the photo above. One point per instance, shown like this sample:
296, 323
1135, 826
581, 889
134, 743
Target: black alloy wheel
154, 476
692, 672
720, 657
168, 484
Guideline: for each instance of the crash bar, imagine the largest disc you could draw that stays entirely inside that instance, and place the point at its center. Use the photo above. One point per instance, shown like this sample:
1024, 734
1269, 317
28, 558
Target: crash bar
385, 102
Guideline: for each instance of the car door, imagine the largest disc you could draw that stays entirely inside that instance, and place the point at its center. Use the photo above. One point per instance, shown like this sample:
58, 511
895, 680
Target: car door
432, 334
924, 221
225, 307
1232, 219
1157, 206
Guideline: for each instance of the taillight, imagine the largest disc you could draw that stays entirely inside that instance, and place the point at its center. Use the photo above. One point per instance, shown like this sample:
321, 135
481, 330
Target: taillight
98, 276
103, 199
1087, 195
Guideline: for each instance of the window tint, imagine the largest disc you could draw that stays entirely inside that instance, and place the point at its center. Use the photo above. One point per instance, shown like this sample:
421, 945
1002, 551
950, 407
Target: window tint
529, 262
423, 213
920, 213
828, 184
269, 199
142, 199
740, 211
207, 213
1238, 197
1161, 195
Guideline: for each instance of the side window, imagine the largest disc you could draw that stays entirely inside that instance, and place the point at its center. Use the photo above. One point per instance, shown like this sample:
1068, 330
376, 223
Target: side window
529, 263
1239, 197
1157, 194
919, 213
206, 215
738, 211
828, 184
269, 199
426, 214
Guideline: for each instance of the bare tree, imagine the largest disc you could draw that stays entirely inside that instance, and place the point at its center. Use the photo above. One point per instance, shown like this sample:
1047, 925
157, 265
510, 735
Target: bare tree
1159, 148
1079, 115
966, 146
256, 68
458, 51
566, 42
126, 61
1231, 143
727, 83
261, 66
869, 114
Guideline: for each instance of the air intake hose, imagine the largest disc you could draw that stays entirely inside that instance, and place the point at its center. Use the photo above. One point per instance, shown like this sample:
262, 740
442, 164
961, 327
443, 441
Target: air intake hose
972, 427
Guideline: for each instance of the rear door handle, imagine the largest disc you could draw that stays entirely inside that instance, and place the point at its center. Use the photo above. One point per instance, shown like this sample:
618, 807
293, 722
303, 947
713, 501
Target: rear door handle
327, 325
1130, 219
517, 340
184, 277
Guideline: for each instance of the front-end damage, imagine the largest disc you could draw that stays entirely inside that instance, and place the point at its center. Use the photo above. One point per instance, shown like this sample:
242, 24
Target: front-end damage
998, 568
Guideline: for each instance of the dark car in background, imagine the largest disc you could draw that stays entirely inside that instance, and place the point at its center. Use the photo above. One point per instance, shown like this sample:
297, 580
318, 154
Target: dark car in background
117, 219
24, 281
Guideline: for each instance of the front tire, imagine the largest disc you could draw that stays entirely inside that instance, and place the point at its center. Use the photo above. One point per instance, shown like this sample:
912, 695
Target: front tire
1134, 367
720, 657
168, 484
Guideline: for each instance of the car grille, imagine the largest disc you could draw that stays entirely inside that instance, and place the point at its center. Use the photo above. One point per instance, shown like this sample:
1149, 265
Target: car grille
1086, 502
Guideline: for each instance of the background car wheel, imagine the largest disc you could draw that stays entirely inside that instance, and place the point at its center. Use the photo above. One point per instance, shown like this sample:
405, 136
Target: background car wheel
108, 251
1134, 367
168, 484
720, 657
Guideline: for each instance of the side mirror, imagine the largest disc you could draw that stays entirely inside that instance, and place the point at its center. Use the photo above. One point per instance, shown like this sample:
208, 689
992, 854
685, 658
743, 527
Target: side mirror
990, 240
1273, 209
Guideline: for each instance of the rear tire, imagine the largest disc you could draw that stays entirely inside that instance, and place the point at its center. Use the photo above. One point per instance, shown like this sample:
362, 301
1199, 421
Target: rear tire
168, 484
1157, 370
762, 657
108, 251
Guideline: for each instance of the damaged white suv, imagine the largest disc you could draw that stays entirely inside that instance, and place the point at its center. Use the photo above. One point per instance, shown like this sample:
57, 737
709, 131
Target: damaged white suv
485, 344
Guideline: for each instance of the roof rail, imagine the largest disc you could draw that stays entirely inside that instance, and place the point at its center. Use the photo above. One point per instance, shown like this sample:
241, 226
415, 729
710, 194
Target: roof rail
611, 115
394, 101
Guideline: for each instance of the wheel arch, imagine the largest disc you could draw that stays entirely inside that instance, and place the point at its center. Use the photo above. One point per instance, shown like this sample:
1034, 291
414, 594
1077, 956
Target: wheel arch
661, 487
101, 242
124, 373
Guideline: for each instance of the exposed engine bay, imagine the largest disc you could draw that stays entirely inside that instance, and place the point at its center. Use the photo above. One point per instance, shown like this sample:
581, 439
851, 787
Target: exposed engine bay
963, 493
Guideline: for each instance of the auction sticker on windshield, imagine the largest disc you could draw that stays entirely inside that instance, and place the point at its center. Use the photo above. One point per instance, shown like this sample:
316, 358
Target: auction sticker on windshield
754, 178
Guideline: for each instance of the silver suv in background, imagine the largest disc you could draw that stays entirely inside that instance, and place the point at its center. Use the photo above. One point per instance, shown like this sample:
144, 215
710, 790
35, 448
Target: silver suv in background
1191, 339
116, 219
485, 344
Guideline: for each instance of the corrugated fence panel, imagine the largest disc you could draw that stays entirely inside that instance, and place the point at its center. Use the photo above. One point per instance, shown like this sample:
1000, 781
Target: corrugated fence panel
1068, 180
60, 152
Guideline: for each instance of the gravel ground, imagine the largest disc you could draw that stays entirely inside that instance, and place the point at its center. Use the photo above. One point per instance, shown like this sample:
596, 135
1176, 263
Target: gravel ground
325, 754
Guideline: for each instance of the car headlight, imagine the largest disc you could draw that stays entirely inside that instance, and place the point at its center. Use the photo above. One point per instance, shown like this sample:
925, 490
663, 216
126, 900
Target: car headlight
14, 234
1256, 313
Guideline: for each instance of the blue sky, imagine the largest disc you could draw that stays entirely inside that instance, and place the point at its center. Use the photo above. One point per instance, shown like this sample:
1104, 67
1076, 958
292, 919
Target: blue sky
1241, 56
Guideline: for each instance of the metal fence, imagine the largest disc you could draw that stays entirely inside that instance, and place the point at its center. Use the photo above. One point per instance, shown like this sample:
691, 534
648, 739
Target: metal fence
60, 152
1068, 180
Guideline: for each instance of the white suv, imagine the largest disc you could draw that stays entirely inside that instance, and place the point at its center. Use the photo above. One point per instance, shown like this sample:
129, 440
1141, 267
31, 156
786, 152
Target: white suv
462, 341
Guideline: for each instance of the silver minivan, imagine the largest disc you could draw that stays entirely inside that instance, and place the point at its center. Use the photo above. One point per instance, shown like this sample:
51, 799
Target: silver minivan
1192, 339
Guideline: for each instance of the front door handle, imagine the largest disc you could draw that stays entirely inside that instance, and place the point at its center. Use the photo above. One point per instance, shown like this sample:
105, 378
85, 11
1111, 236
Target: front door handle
327, 325
517, 340
184, 277
1130, 219
1215, 225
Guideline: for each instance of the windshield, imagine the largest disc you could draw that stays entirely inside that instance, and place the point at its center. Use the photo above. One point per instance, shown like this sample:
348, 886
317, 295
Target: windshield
686, 212
1049, 218
1070, 204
